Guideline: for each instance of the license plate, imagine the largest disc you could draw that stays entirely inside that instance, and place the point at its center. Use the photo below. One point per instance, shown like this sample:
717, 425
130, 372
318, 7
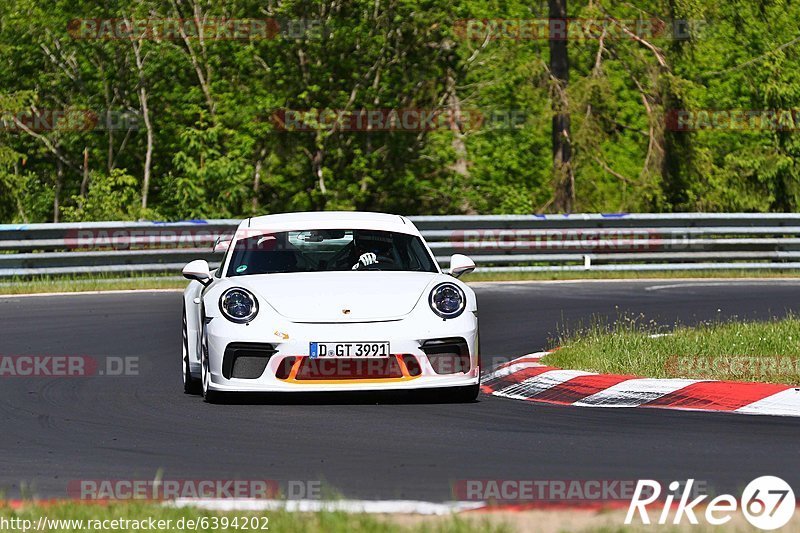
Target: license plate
357, 350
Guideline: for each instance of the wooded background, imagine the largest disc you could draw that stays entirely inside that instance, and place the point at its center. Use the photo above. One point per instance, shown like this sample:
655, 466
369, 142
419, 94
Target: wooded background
203, 142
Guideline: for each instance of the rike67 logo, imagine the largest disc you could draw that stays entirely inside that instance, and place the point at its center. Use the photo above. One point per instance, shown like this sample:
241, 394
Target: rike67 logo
767, 502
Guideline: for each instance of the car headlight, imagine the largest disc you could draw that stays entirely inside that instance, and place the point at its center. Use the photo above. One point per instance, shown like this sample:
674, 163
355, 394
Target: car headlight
238, 305
447, 300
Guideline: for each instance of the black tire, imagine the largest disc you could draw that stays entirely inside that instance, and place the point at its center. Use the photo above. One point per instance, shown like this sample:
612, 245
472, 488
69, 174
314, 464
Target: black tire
191, 385
467, 394
210, 396
213, 396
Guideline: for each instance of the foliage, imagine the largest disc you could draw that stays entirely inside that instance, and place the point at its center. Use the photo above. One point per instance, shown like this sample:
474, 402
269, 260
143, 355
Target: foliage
217, 150
112, 196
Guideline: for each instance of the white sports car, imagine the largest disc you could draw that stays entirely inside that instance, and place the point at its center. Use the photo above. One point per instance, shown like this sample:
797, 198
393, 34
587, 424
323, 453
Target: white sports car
329, 301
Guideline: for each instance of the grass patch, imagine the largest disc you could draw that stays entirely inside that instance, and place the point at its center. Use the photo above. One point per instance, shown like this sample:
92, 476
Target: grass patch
740, 351
86, 283
282, 521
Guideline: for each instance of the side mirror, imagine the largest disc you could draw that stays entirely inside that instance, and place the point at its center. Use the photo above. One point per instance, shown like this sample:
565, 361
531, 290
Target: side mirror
460, 264
198, 270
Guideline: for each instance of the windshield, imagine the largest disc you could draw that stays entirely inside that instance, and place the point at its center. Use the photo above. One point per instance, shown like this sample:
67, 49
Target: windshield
328, 250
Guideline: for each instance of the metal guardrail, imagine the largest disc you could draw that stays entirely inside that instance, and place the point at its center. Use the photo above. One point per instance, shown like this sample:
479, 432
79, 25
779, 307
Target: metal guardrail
499, 243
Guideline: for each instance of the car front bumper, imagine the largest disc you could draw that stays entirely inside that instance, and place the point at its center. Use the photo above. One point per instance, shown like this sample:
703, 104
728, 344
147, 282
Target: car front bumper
292, 340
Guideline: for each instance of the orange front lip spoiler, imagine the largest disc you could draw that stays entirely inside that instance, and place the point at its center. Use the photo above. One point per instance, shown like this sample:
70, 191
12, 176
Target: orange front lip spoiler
393, 369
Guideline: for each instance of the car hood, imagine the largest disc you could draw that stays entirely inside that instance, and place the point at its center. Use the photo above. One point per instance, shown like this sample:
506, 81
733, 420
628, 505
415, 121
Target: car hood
369, 296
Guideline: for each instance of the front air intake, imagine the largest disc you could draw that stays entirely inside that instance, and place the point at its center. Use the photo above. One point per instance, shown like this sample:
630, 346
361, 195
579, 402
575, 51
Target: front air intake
448, 356
246, 360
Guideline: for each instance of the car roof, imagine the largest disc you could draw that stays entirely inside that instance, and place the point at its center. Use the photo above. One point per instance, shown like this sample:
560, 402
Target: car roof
330, 220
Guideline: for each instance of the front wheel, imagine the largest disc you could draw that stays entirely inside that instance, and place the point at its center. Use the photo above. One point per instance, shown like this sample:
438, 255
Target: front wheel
209, 395
466, 394
190, 384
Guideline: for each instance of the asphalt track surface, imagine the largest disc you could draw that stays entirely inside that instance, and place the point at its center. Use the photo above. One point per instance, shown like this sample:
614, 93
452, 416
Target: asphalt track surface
59, 429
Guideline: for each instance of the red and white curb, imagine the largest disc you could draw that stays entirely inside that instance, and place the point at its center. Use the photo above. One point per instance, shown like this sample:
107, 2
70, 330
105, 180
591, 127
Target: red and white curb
526, 378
